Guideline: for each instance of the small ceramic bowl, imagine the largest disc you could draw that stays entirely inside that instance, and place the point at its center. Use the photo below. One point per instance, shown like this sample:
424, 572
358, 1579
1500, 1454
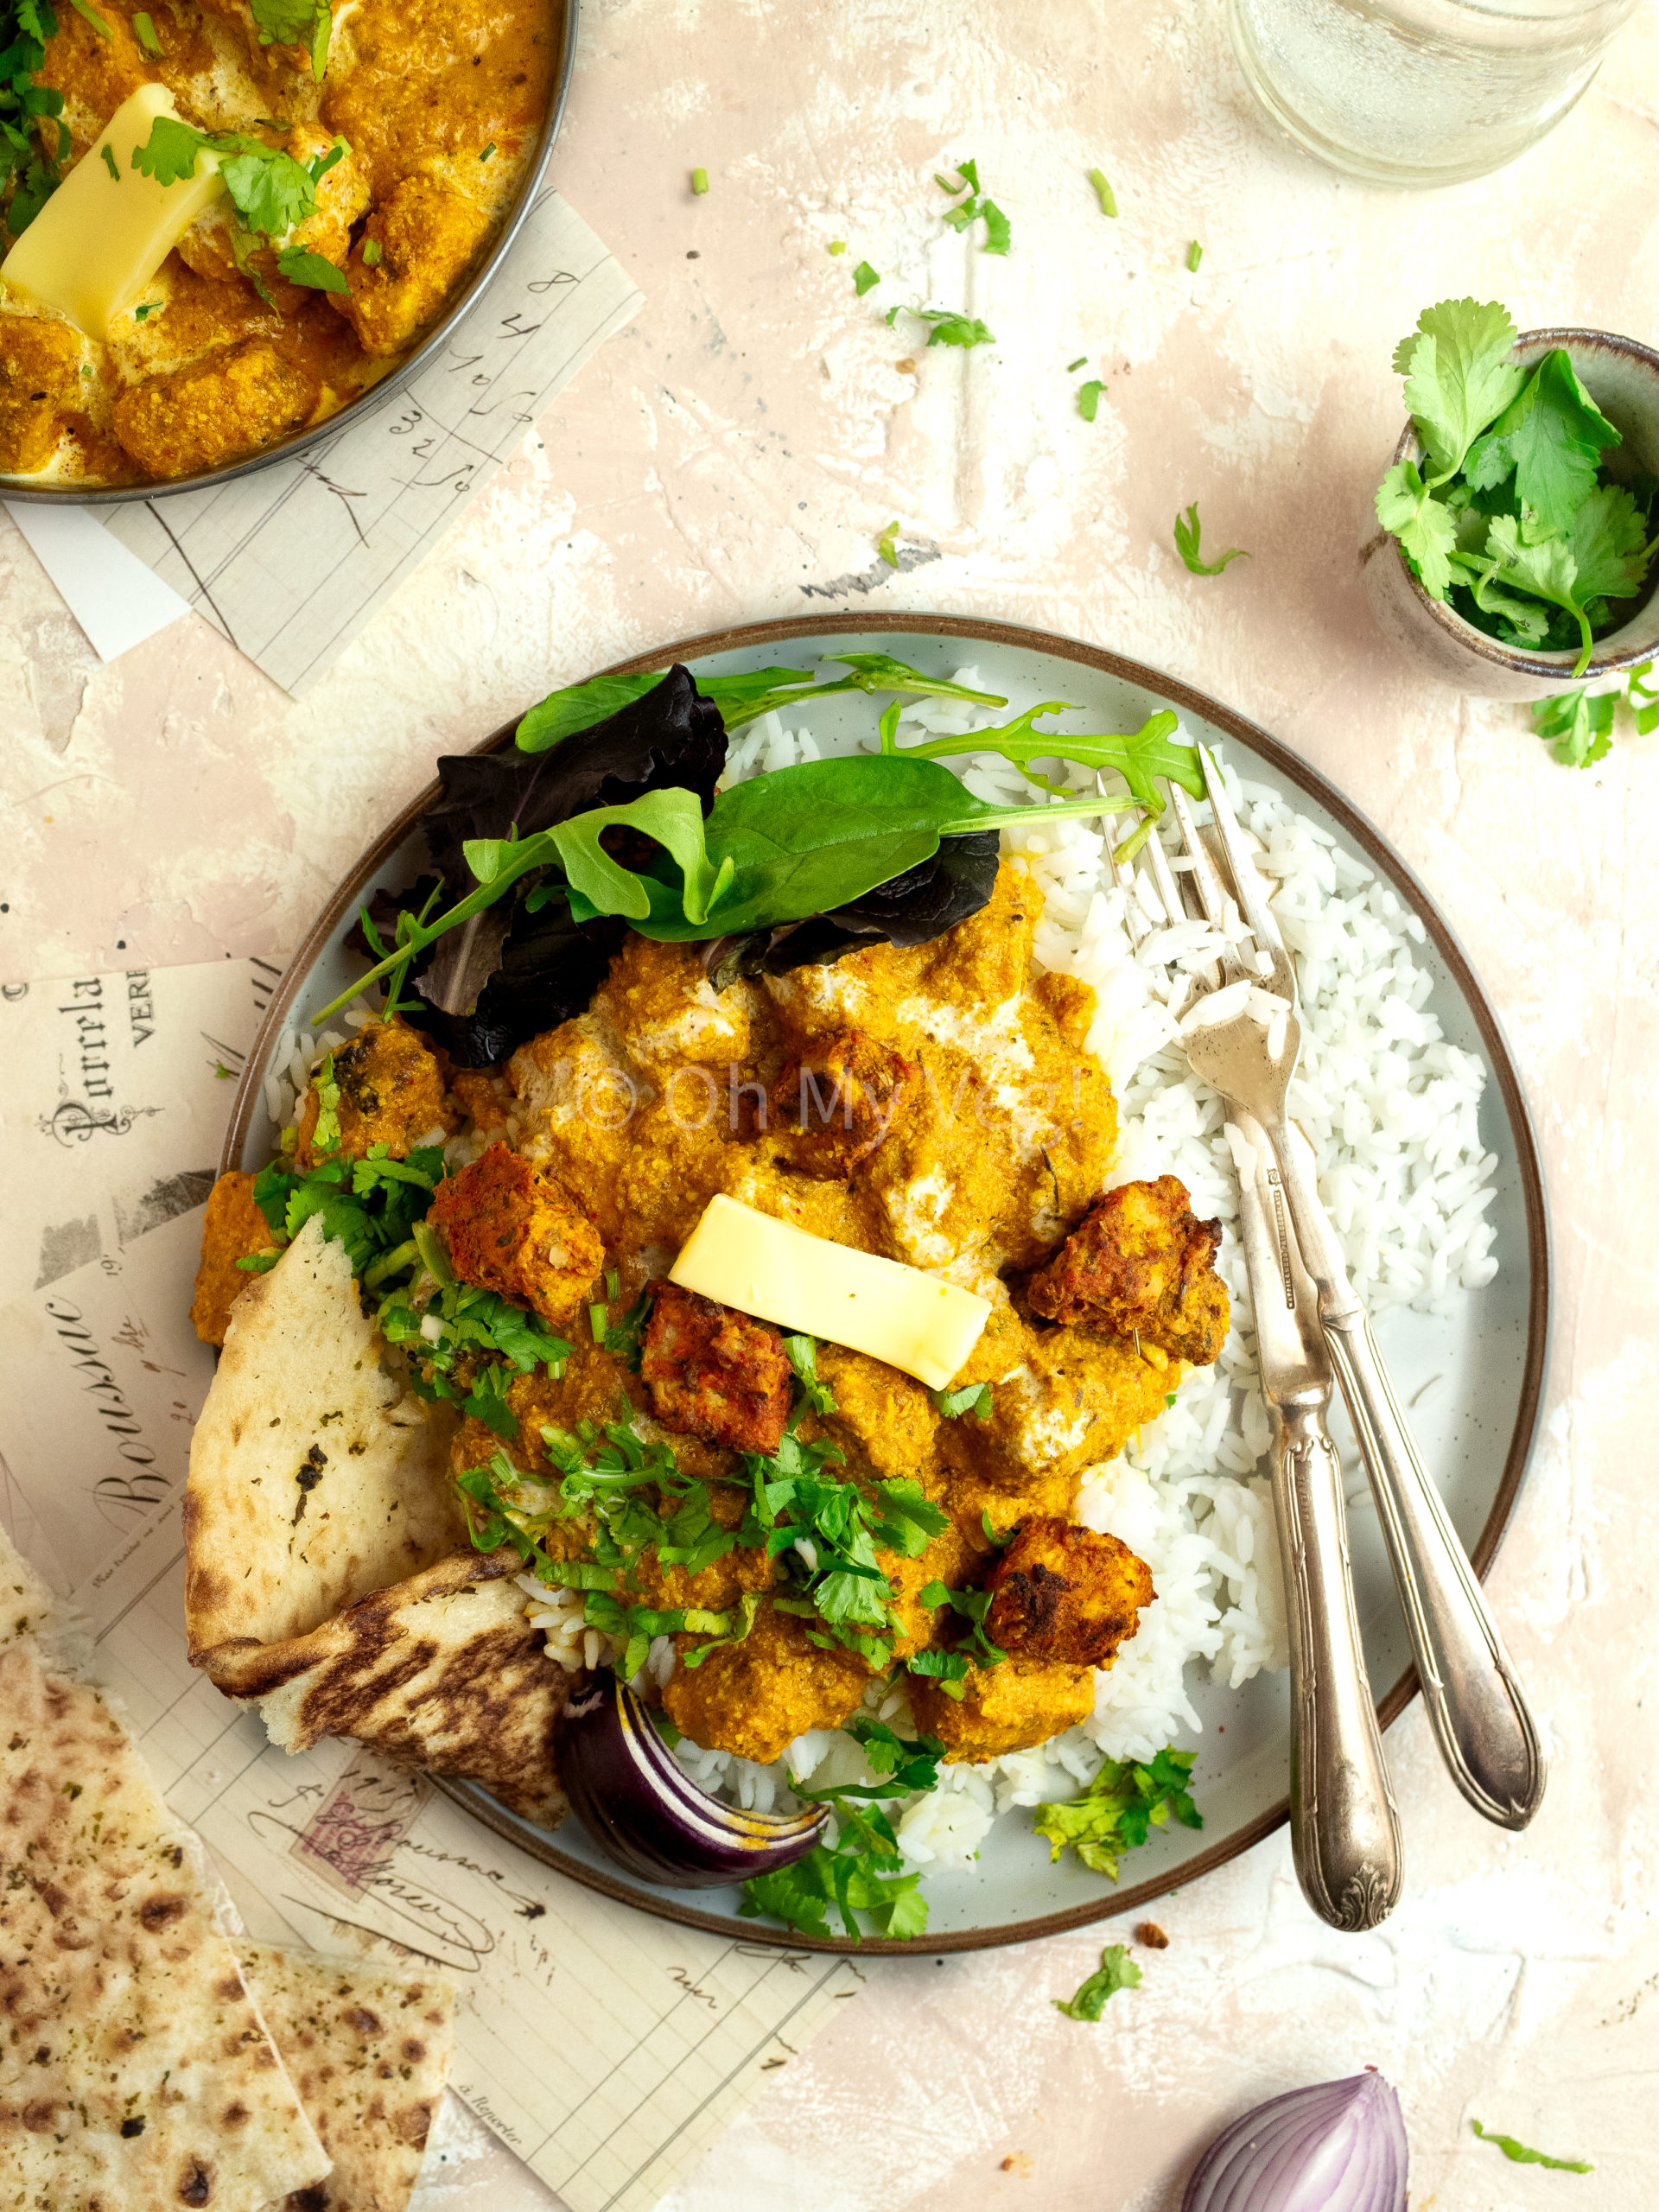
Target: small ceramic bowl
1623, 378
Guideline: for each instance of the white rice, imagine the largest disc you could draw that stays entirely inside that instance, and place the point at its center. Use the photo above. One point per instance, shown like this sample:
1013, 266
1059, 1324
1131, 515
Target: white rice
1391, 1109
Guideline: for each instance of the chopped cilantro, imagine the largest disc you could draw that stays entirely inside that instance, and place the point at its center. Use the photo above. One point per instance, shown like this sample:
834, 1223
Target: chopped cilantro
621, 1338
1116, 1970
887, 544
324, 1134
1578, 727
221, 1073
271, 191
1187, 532
1194, 255
865, 279
143, 314
369, 1206
1081, 362
699, 181
974, 1398
1089, 398
802, 1356
457, 1333
972, 1606
836, 245
144, 31
946, 326
1104, 192
370, 253
107, 155
1114, 1814
1521, 2156
973, 208
1001, 1539
310, 270
295, 22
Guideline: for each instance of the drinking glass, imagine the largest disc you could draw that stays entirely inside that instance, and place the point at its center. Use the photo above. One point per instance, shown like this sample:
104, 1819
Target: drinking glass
1421, 91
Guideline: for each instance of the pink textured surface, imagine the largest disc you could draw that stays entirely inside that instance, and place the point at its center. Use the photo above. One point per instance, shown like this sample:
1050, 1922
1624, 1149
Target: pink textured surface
735, 456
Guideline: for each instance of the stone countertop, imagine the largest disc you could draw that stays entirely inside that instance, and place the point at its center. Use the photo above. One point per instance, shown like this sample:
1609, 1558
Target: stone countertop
735, 456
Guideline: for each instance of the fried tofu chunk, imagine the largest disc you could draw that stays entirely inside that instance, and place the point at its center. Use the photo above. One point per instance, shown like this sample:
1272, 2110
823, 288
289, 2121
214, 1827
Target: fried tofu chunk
512, 1228
96, 67
391, 1092
1140, 1267
227, 404
754, 1697
233, 1229
342, 194
714, 1372
842, 1101
1066, 1595
403, 267
40, 378
1006, 1708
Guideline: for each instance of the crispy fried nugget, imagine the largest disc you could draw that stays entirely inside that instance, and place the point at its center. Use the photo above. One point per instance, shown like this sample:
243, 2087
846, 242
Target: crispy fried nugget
714, 1372
513, 1228
236, 401
844, 1101
1066, 1595
754, 1697
233, 1229
1001, 1709
1140, 1267
40, 378
415, 244
391, 1092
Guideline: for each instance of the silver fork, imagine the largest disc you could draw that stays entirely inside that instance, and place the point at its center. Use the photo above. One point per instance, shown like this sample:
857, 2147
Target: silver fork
1476, 1704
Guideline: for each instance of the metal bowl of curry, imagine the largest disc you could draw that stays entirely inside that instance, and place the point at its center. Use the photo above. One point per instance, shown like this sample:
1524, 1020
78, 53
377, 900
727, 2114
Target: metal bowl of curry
376, 162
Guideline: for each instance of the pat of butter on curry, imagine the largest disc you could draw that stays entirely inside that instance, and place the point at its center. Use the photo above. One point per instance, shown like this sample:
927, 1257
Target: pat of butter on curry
100, 238
913, 1321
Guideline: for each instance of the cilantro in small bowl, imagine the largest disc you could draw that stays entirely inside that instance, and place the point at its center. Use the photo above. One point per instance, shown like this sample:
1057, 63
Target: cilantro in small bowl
1521, 502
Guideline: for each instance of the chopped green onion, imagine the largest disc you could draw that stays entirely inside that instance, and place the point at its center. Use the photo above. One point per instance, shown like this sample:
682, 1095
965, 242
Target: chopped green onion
144, 31
109, 163
836, 245
1081, 362
1089, 398
699, 181
1102, 191
487, 151
370, 253
1194, 255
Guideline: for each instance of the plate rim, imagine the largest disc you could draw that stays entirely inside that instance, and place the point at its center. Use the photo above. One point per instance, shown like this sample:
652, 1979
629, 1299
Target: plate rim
745, 636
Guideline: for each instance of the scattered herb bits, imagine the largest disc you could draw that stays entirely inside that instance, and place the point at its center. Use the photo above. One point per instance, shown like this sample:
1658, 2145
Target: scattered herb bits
1082, 362
370, 253
487, 151
149, 307
1116, 1970
144, 31
109, 163
1089, 398
946, 327
974, 207
888, 545
1126, 1800
699, 182
865, 279
1104, 192
1188, 529
1194, 255
836, 245
1521, 2156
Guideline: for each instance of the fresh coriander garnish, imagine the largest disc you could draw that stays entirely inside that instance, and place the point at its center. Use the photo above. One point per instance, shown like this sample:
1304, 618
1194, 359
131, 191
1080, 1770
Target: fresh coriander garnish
887, 544
143, 312
1188, 529
487, 151
1071, 367
946, 327
144, 31
325, 1136
1116, 1970
296, 22
971, 1605
699, 181
269, 190
1521, 2156
107, 155
1089, 398
1577, 727
836, 245
310, 270
802, 1354
970, 209
865, 279
1125, 1800
34, 141
373, 1207
370, 253
1102, 191
1194, 255
973, 1398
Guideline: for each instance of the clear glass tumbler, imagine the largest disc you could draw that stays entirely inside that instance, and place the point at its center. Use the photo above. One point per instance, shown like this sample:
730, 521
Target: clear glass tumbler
1421, 91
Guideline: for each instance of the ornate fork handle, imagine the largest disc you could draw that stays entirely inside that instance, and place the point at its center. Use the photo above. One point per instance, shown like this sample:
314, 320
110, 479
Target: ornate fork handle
1344, 1829
1476, 1704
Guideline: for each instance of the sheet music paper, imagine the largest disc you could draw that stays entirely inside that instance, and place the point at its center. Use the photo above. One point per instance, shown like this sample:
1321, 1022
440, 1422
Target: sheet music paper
608, 2048
289, 562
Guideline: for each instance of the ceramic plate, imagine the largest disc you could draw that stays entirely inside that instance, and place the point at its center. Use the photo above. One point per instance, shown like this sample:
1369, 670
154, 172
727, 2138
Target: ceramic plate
1475, 1427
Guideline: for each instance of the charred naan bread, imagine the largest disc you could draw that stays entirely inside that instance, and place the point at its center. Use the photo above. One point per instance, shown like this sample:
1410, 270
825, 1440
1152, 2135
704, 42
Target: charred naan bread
135, 2074
368, 2052
316, 1476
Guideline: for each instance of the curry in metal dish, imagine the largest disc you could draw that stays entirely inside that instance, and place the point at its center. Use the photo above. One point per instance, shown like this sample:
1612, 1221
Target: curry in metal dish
224, 221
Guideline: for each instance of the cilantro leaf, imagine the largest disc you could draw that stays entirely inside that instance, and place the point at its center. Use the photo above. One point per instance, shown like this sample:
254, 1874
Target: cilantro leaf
325, 1133
1642, 698
1550, 438
1116, 1970
802, 1354
1089, 398
887, 544
1521, 2156
1578, 727
1425, 526
169, 152
998, 232
301, 267
1601, 557
946, 326
271, 191
1458, 378
1187, 531
1125, 1800
974, 1398
863, 1872
865, 279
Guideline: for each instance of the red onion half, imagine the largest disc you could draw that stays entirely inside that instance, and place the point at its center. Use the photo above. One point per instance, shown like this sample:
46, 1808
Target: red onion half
1339, 2146
641, 1805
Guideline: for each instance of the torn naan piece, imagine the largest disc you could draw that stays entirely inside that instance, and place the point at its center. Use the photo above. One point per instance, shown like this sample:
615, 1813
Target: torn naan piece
369, 2051
317, 1476
26, 1606
442, 1671
135, 2074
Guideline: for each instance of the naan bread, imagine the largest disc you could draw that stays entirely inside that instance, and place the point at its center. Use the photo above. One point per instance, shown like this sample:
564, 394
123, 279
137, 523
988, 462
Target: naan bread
26, 1606
368, 2052
444, 1671
315, 1475
135, 2074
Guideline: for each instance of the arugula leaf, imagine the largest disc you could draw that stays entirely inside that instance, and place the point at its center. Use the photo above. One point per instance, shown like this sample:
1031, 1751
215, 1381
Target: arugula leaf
1550, 438
946, 327
1579, 727
802, 1354
1125, 1800
1187, 531
1521, 2156
301, 267
1425, 526
1116, 1971
1089, 398
865, 279
974, 1398
1458, 378
1140, 757
1104, 192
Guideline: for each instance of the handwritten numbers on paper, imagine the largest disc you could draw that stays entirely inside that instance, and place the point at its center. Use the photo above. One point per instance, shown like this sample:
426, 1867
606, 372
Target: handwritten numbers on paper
515, 327
539, 284
411, 418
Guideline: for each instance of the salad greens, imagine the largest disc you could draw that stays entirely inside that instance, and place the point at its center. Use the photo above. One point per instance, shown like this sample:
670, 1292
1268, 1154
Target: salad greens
1116, 1970
1188, 529
1514, 517
1521, 2156
1125, 1800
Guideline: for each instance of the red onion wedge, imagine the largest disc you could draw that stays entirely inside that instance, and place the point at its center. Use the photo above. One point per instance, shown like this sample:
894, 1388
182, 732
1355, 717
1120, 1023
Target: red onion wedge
1339, 2146
640, 1804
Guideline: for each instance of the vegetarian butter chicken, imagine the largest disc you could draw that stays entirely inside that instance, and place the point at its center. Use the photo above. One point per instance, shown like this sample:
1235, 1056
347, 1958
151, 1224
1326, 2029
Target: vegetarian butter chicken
368, 157
799, 1517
